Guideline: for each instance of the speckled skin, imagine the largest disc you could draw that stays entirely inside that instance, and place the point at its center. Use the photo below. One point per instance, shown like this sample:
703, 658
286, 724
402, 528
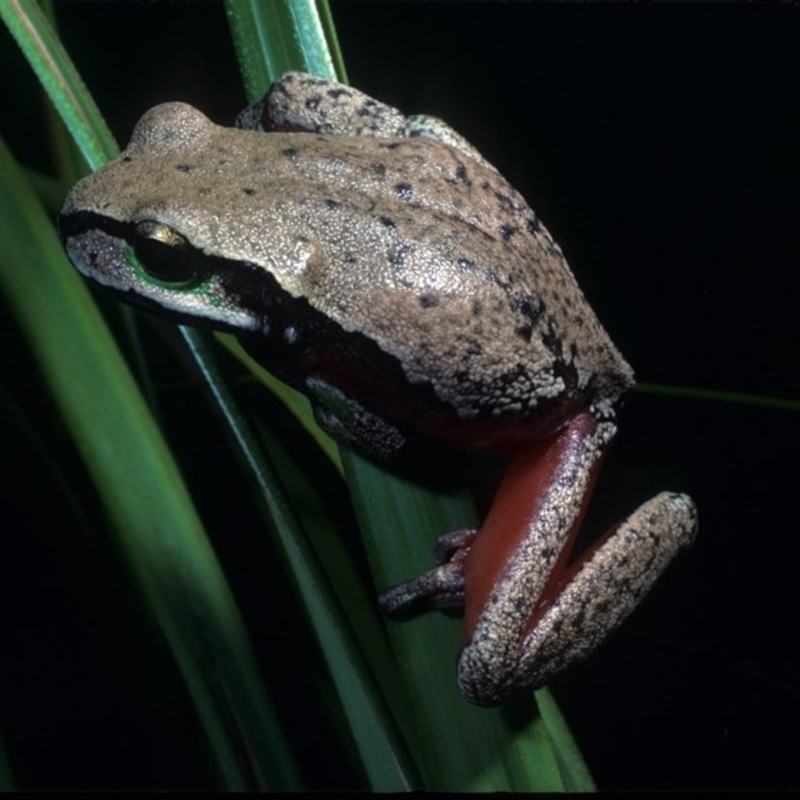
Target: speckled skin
429, 254
381, 265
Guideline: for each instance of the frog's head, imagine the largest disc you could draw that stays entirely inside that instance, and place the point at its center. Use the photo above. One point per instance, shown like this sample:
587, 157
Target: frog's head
135, 226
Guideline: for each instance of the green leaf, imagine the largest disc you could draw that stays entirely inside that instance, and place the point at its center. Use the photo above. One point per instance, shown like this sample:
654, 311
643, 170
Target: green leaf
145, 498
58, 76
272, 38
455, 746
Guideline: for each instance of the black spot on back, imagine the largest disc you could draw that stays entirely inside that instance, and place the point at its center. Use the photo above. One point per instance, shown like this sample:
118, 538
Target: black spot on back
529, 305
524, 332
533, 225
397, 257
428, 300
507, 231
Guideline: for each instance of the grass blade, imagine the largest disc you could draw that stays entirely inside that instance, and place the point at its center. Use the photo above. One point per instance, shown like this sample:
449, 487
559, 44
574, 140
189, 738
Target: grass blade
455, 746
145, 498
58, 76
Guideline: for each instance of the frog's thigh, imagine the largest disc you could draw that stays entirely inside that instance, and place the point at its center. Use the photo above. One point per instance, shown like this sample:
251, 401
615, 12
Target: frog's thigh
352, 425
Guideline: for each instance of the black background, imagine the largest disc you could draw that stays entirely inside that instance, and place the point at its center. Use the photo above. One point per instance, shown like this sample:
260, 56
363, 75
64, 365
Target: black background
658, 144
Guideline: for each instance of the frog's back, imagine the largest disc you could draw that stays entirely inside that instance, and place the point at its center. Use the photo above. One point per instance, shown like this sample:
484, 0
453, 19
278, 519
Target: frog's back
425, 251
443, 263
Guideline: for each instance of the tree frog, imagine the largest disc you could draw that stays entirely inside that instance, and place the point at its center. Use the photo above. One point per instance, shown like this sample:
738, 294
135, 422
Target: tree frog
382, 266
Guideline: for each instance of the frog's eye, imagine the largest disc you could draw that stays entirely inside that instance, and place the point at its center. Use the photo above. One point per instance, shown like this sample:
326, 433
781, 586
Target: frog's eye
165, 255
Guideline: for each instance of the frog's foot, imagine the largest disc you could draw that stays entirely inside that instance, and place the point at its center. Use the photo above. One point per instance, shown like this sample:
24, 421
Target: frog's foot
581, 606
441, 588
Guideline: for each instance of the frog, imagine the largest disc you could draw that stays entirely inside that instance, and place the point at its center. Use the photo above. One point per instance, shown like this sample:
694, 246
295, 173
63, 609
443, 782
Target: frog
378, 263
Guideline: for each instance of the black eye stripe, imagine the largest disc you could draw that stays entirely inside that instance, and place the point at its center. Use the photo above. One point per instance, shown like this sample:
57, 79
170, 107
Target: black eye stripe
161, 252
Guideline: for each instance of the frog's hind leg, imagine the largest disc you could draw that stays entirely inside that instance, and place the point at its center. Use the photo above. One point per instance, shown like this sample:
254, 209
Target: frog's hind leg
530, 608
530, 611
605, 585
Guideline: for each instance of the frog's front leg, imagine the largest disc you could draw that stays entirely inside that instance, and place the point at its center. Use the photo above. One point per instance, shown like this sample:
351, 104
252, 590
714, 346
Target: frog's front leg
528, 611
